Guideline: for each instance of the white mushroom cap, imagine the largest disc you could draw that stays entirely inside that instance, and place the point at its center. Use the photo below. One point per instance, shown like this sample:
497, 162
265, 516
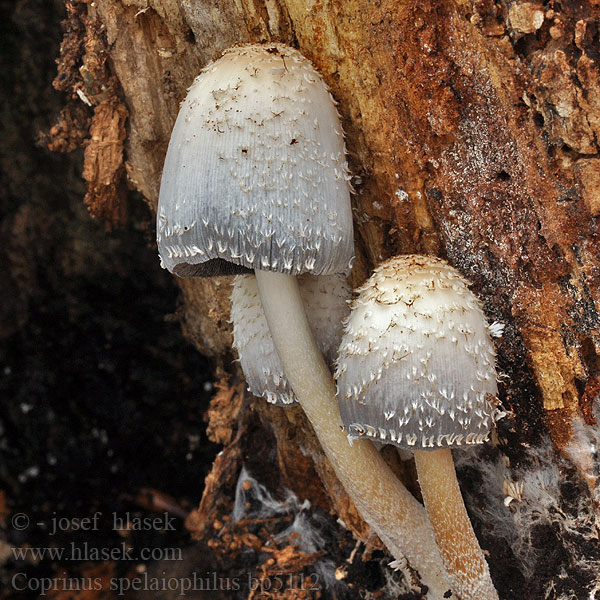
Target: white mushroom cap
255, 173
326, 303
416, 366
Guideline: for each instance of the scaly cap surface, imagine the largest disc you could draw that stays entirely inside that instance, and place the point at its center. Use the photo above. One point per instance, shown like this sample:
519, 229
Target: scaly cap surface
255, 176
416, 366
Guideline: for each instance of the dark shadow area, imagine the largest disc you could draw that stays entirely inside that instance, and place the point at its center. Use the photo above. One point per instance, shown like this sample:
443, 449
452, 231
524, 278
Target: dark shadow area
96, 399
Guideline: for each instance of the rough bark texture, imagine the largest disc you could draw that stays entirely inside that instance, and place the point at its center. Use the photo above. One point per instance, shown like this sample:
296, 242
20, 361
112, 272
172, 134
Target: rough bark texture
472, 130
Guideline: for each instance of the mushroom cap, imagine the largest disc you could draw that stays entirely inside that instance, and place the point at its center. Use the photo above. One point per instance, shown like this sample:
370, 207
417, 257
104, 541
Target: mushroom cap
326, 303
416, 366
255, 175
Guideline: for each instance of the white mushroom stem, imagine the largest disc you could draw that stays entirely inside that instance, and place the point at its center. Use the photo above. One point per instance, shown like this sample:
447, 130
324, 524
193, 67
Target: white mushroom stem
461, 554
385, 504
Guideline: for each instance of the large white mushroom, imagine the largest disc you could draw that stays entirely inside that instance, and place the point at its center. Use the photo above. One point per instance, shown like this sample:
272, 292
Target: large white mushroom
255, 175
255, 178
416, 369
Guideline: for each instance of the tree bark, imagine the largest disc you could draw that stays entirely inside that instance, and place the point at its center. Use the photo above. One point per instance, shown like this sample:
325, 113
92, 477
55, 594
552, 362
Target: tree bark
472, 131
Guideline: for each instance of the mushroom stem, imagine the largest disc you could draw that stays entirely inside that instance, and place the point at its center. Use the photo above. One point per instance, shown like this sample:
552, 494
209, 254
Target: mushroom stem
461, 554
385, 504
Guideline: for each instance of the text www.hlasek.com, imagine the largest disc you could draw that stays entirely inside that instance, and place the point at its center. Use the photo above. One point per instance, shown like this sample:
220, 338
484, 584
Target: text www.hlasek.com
84, 552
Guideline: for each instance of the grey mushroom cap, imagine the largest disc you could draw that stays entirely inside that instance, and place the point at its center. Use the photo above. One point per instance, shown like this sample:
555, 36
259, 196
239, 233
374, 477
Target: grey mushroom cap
326, 303
255, 175
416, 366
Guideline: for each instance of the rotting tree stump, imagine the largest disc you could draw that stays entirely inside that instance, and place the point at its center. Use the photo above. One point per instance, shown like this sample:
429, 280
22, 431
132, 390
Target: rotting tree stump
472, 131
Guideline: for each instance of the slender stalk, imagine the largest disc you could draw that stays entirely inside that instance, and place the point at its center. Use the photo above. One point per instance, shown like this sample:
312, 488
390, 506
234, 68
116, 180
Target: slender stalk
385, 504
461, 554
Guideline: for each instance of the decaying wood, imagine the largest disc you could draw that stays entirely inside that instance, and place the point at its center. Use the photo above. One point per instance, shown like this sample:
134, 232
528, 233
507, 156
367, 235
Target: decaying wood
472, 130
227, 424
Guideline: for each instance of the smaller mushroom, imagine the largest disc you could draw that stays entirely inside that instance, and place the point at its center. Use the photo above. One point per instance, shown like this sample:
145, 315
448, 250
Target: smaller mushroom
326, 305
416, 369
